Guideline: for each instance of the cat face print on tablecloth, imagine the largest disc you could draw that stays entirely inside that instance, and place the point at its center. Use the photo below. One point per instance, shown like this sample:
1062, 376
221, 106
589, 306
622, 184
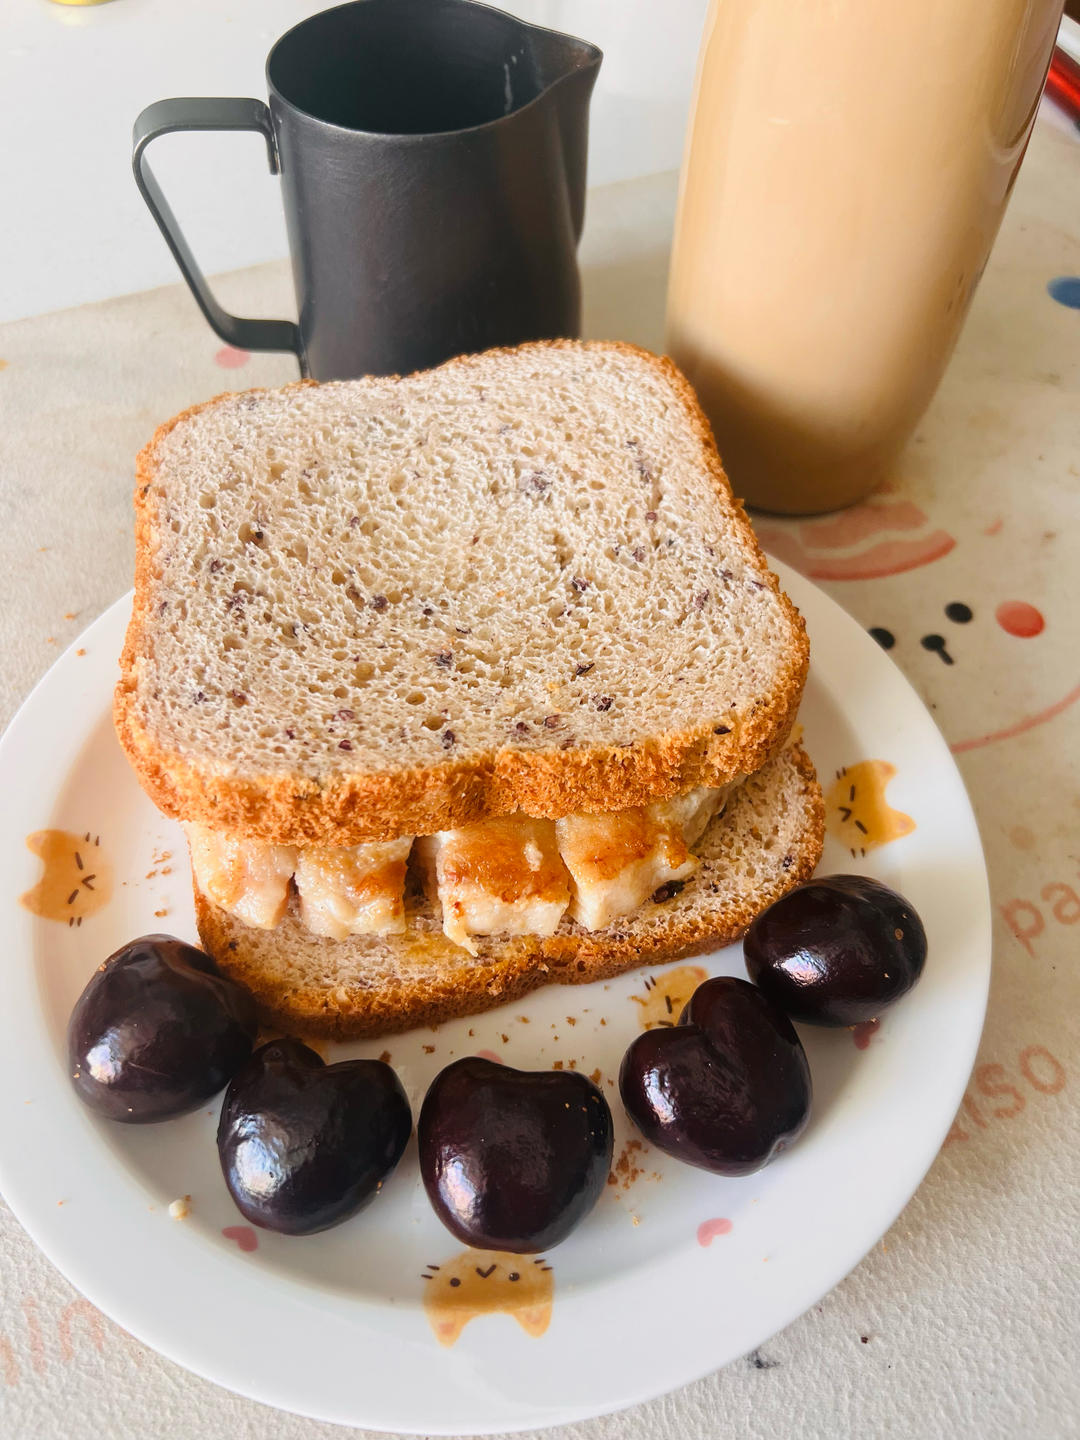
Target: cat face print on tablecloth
885, 535
964, 612
991, 668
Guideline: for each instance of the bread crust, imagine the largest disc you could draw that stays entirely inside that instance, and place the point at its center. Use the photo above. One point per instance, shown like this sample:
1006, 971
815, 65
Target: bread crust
454, 984
371, 805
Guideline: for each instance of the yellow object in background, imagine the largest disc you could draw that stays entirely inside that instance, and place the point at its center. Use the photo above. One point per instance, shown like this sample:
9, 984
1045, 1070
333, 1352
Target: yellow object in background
80, 2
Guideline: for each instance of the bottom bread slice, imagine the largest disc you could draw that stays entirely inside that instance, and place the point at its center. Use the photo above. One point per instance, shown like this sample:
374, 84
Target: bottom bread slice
768, 839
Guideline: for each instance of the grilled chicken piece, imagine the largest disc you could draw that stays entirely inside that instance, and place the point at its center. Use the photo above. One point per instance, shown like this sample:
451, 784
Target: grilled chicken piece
248, 878
617, 861
353, 889
497, 877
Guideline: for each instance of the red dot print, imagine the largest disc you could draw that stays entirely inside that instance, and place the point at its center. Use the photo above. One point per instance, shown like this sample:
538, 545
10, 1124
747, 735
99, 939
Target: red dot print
229, 358
243, 1235
1017, 617
863, 1033
709, 1229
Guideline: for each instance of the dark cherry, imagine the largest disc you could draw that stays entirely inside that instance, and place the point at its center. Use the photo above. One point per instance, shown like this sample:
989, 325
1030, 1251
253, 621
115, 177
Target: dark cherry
727, 1088
304, 1145
836, 951
157, 1031
513, 1159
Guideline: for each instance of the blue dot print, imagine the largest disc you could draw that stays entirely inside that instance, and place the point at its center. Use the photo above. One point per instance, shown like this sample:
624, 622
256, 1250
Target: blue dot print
1066, 290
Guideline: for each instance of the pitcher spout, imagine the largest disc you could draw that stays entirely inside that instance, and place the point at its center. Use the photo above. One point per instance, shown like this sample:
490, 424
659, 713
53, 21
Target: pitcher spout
566, 71
561, 57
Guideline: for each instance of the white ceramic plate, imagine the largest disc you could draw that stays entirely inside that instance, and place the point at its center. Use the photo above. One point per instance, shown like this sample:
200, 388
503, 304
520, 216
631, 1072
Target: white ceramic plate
676, 1272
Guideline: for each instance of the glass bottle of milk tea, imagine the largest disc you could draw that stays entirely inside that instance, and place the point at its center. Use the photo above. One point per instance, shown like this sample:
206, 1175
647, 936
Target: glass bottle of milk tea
847, 167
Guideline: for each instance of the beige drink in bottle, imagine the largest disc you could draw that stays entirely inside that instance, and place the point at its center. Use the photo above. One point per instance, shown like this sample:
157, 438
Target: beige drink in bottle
846, 171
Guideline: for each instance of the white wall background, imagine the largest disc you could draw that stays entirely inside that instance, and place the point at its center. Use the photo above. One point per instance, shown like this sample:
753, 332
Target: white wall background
72, 225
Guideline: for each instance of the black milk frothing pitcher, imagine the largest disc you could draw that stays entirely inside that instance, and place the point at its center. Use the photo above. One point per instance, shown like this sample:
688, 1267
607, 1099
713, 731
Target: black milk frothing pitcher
432, 161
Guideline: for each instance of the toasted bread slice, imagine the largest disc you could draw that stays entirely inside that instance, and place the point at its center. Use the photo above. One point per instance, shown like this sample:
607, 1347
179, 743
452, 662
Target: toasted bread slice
767, 840
389, 607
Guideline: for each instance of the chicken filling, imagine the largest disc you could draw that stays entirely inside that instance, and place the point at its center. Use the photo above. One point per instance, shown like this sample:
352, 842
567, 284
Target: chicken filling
510, 876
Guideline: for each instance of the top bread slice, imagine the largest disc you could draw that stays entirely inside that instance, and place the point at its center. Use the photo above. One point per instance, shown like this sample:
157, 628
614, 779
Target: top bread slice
392, 606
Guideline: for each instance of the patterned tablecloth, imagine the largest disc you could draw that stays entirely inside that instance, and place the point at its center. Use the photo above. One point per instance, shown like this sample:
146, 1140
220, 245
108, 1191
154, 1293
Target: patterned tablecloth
965, 1320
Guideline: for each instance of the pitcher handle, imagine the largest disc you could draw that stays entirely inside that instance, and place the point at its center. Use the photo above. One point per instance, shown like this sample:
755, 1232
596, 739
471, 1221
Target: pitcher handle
208, 114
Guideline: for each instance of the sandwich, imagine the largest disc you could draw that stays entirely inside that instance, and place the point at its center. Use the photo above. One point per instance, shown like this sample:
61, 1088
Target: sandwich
462, 683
